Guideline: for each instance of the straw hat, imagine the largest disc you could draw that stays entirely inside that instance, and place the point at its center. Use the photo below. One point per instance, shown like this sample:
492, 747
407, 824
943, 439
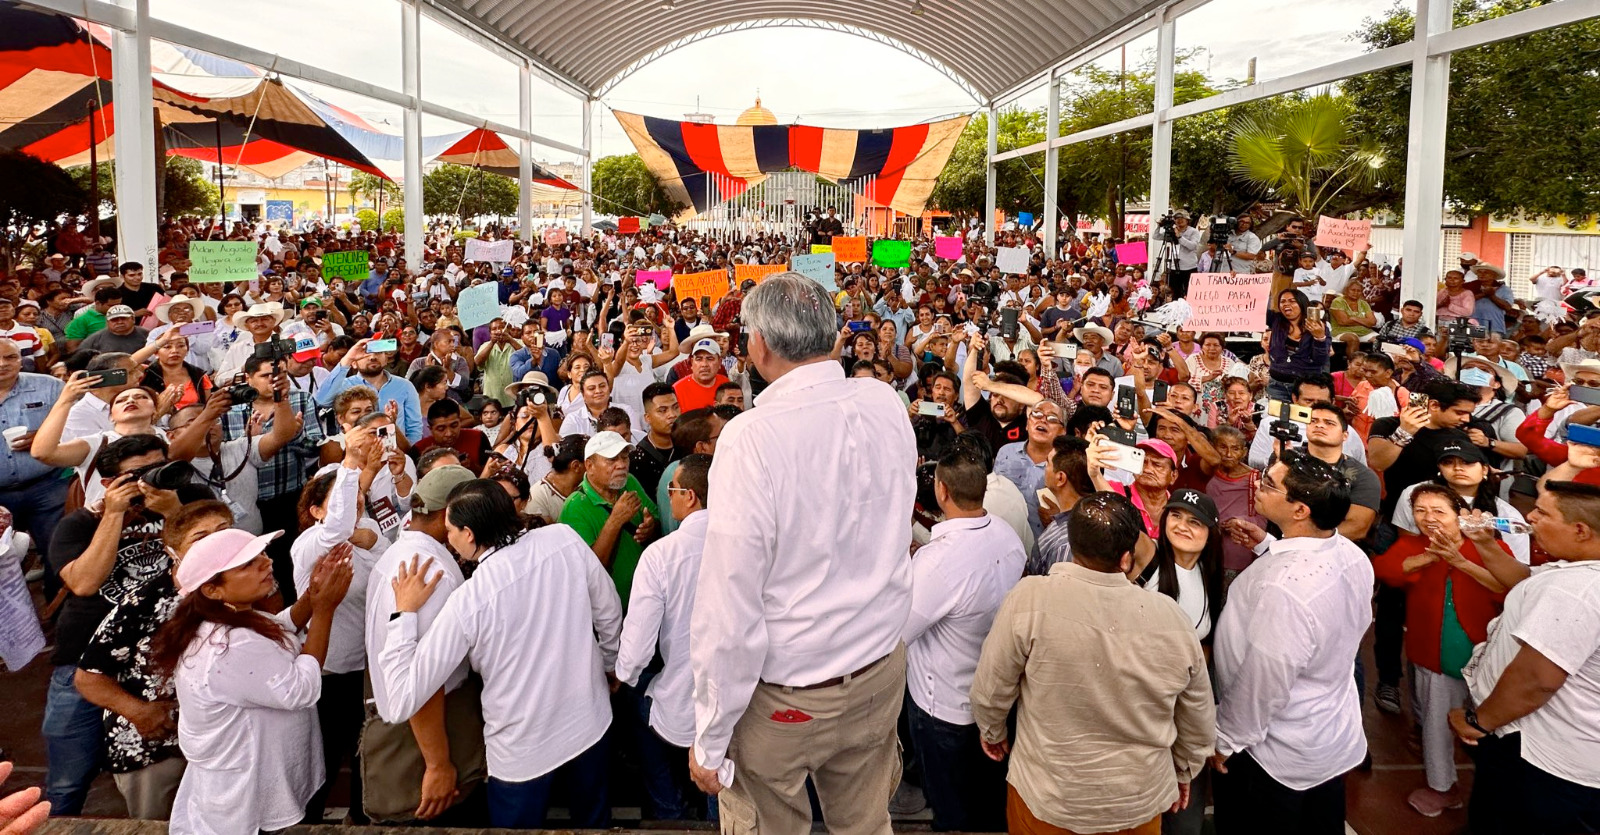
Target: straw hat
164, 311
273, 309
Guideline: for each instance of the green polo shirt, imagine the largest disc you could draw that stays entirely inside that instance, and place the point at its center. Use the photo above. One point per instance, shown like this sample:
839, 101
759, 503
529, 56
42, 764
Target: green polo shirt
85, 323
586, 512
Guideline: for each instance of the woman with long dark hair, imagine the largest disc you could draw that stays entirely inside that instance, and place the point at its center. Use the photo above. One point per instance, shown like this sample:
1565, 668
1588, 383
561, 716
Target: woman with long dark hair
247, 687
1187, 567
1297, 343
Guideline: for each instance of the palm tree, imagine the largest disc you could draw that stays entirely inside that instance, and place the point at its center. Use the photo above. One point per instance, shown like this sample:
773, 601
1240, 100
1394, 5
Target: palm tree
1303, 153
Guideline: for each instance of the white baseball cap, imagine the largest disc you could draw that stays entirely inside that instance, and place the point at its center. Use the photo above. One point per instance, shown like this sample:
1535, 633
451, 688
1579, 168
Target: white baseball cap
710, 346
605, 444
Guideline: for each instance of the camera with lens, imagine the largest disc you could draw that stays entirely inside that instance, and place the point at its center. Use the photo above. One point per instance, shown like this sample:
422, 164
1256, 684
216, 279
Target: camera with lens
1286, 431
276, 350
1222, 228
532, 396
1168, 226
241, 393
1287, 250
169, 476
983, 291
1462, 332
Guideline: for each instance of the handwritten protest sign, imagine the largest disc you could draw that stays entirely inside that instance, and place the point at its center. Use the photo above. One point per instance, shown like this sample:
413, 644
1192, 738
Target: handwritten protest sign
849, 250
627, 226
944, 247
818, 249
350, 265
755, 272
496, 252
555, 235
1011, 259
478, 305
1349, 235
818, 268
661, 278
213, 261
1137, 252
891, 254
1228, 302
711, 284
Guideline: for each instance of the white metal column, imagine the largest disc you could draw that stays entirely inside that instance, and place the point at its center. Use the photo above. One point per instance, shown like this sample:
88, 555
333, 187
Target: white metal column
525, 153
411, 81
1430, 105
989, 177
588, 164
133, 108
1052, 166
1161, 142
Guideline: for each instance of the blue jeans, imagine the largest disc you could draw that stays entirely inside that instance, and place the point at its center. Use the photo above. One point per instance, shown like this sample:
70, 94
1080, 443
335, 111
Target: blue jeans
36, 508
660, 761
74, 734
964, 787
584, 780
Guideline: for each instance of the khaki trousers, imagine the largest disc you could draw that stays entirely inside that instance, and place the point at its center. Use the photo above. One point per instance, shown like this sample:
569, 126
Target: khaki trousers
150, 791
848, 747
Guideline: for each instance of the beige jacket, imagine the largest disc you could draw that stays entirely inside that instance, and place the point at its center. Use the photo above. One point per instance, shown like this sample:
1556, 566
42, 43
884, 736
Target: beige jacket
1115, 704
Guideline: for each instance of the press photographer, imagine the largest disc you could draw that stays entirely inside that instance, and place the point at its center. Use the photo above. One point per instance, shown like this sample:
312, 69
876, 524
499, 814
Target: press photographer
1283, 253
1240, 249
1183, 242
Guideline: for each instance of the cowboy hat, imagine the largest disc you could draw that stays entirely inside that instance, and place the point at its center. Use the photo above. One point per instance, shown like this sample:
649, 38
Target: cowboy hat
534, 379
164, 311
1569, 369
1105, 335
1508, 380
1499, 274
701, 331
89, 288
259, 309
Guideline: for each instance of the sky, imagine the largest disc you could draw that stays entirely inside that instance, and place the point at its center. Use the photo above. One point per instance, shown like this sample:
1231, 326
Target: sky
869, 85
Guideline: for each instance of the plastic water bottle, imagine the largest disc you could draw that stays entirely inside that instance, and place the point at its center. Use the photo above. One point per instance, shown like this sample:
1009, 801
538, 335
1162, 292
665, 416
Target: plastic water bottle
1500, 525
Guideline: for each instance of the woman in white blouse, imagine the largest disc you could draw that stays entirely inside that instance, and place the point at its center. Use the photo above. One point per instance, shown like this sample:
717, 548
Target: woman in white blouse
246, 688
331, 515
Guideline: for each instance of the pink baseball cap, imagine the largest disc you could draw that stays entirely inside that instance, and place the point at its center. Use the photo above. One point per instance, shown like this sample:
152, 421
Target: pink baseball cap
1161, 448
218, 553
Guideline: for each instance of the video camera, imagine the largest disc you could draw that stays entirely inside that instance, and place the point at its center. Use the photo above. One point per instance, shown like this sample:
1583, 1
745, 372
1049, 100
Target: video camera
1222, 228
1462, 332
276, 350
1168, 226
1288, 249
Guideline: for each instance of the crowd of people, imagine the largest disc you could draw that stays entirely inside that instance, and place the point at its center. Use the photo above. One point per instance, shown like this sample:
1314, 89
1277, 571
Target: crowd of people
993, 544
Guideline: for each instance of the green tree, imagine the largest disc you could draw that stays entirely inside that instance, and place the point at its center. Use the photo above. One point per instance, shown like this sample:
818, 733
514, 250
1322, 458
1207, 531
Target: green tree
394, 220
960, 187
186, 188
1305, 154
368, 186
467, 193
368, 219
624, 185
1521, 137
35, 192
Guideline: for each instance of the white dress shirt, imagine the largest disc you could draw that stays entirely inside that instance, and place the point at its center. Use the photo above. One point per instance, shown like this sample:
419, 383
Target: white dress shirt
1285, 654
659, 608
380, 605
247, 724
801, 581
347, 648
1261, 445
527, 622
1556, 612
958, 581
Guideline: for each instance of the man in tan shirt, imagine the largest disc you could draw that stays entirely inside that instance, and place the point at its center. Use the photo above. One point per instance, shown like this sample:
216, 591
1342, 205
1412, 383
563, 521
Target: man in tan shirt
1115, 713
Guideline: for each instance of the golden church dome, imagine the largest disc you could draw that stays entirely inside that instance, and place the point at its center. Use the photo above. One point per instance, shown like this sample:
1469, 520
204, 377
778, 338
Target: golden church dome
757, 115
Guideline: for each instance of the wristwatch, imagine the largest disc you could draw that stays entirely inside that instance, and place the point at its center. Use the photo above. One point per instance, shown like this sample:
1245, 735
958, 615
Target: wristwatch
1470, 714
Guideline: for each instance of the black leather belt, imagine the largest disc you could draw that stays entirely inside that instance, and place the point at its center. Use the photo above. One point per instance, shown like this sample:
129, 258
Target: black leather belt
836, 680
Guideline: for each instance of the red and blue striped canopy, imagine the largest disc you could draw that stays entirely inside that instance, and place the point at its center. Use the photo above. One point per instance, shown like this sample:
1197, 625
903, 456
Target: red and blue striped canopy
700, 165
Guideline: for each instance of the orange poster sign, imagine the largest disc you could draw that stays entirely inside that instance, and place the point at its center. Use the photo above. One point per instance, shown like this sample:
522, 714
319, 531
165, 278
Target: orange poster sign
711, 283
847, 250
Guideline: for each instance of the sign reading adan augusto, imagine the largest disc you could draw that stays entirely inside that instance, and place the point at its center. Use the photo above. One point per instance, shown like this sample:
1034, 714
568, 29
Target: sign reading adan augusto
1228, 301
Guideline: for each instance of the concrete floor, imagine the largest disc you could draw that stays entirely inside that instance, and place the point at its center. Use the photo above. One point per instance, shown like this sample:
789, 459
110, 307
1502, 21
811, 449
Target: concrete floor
1376, 799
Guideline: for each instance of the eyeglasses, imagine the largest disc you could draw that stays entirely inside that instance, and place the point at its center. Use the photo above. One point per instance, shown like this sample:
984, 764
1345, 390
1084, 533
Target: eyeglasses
1044, 416
1268, 484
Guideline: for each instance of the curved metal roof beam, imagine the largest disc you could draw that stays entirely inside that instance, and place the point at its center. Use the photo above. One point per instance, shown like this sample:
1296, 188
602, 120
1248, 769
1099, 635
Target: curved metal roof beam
790, 23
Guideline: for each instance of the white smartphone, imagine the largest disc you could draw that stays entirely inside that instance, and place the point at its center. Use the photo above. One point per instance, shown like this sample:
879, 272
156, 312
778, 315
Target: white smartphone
386, 437
1065, 350
930, 409
1125, 458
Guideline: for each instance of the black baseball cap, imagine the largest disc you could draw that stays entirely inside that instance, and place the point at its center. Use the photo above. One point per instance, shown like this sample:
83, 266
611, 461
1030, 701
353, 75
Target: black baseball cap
1196, 503
1465, 450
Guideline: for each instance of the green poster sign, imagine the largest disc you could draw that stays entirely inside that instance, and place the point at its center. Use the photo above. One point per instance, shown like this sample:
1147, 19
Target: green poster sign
351, 266
213, 261
891, 253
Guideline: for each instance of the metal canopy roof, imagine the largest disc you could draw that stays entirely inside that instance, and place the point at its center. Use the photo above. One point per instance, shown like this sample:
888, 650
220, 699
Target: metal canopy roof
990, 46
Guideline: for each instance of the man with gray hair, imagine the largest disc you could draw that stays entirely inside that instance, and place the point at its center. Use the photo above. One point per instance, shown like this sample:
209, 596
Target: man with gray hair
804, 589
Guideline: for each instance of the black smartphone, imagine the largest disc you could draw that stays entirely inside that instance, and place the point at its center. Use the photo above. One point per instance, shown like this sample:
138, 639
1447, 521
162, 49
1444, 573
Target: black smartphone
108, 377
705, 303
1127, 402
1159, 395
1008, 322
1117, 434
744, 343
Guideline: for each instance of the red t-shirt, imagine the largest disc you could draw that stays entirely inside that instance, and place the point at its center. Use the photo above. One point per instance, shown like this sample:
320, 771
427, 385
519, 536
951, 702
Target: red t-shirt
692, 395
